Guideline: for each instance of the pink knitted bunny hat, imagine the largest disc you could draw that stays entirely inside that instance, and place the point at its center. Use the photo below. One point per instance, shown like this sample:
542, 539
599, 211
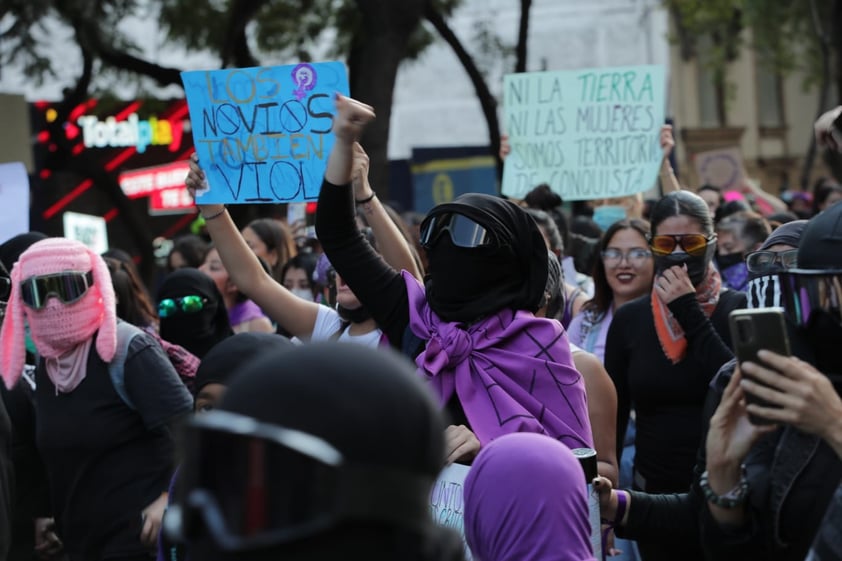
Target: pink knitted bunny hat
58, 328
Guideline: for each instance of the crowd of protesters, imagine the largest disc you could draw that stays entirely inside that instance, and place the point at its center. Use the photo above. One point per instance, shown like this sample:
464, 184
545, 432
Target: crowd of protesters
269, 401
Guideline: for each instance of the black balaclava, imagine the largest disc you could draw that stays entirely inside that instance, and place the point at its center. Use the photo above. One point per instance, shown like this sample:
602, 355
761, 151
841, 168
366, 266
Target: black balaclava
229, 355
200, 331
764, 290
370, 405
697, 267
466, 284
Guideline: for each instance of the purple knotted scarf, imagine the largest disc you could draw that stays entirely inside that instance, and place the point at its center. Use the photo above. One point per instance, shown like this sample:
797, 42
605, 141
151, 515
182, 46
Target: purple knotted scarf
512, 372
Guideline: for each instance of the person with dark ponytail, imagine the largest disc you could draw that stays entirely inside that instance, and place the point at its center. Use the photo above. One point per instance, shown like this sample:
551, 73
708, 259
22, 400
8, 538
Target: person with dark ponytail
664, 348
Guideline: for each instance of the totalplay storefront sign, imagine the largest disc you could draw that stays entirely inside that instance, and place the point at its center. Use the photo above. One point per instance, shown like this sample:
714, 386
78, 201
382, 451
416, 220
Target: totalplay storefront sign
132, 131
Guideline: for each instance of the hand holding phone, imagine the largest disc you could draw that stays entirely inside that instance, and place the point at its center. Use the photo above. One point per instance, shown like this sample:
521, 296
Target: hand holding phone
752, 331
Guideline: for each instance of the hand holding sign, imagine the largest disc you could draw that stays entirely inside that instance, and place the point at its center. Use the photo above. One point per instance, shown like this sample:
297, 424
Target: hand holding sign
263, 134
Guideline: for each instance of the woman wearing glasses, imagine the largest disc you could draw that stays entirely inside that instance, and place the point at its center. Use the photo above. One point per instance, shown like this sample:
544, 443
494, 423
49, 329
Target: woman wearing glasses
623, 273
664, 348
470, 327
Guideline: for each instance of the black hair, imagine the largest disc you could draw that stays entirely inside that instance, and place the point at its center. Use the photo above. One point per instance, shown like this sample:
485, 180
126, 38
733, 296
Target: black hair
192, 249
603, 295
731, 207
549, 228
305, 261
682, 203
134, 305
822, 194
749, 226
277, 237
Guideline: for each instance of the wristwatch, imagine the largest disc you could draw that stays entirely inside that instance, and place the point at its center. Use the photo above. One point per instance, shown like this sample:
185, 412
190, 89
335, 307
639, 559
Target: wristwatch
732, 499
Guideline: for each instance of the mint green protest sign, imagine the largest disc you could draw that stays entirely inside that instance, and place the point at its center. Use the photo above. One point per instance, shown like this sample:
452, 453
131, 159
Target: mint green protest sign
589, 134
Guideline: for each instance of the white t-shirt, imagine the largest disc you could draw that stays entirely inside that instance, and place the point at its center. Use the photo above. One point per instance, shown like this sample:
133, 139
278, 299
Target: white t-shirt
328, 323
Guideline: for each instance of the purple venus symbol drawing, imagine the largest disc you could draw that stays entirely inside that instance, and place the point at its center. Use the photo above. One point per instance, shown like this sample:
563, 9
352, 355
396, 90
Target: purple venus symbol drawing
304, 76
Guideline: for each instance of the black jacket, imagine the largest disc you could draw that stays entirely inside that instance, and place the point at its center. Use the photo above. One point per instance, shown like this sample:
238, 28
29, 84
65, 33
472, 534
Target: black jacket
792, 478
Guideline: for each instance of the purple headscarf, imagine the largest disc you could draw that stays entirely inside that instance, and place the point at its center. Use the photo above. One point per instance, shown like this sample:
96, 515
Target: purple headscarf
511, 371
525, 500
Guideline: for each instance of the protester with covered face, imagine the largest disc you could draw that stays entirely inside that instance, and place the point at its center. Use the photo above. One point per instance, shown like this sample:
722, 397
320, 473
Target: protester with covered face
760, 490
664, 348
321, 452
191, 311
737, 235
538, 517
108, 456
470, 326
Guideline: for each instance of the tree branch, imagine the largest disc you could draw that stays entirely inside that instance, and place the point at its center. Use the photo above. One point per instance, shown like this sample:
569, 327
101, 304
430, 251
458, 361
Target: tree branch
522, 36
90, 38
236, 48
486, 99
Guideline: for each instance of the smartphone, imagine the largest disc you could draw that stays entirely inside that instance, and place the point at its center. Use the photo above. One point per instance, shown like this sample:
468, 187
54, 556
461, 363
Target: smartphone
753, 330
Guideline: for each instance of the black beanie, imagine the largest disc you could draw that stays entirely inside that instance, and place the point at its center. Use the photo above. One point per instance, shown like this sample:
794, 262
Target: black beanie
821, 243
230, 355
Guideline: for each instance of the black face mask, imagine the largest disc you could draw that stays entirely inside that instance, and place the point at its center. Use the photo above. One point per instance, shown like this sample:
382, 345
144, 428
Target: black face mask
357, 315
697, 267
464, 285
729, 260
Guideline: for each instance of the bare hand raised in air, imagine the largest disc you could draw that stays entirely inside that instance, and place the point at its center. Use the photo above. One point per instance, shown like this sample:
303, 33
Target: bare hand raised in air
351, 118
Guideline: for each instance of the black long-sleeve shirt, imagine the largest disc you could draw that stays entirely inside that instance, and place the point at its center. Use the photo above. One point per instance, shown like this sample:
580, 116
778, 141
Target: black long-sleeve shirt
667, 398
378, 287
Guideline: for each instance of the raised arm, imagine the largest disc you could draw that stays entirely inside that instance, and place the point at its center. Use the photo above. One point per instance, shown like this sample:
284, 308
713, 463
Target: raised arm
392, 244
376, 285
294, 314
669, 182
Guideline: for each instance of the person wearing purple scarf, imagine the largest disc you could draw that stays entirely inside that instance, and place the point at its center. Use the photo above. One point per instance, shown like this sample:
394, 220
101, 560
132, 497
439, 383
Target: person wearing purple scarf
525, 500
470, 327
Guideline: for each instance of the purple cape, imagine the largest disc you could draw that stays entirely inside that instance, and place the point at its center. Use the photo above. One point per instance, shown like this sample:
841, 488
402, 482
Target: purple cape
511, 371
525, 500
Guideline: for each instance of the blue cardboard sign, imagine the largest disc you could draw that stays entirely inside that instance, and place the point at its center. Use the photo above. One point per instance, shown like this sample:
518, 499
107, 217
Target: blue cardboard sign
589, 134
263, 135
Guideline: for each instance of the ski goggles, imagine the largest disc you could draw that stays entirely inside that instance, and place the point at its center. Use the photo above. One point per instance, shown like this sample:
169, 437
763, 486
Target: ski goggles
248, 485
191, 304
806, 293
68, 287
464, 232
766, 262
693, 244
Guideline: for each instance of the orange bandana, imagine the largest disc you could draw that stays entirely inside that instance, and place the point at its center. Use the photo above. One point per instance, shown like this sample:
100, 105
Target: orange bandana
670, 333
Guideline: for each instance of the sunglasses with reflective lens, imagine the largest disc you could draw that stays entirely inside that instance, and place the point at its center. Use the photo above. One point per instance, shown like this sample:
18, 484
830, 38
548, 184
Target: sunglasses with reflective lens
237, 487
693, 244
68, 287
771, 261
463, 231
191, 304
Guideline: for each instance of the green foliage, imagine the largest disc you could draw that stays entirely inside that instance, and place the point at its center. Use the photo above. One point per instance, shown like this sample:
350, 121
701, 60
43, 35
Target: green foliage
783, 32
